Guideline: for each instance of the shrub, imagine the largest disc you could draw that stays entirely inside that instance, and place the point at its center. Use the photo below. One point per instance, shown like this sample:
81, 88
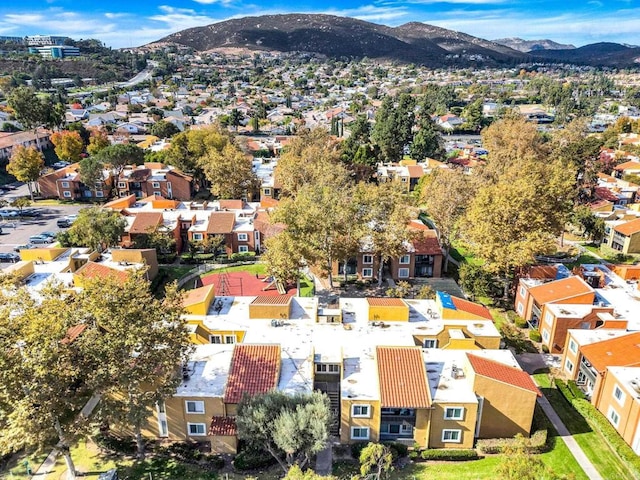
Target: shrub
449, 454
537, 443
252, 460
398, 450
520, 322
215, 461
243, 257
116, 444
535, 336
545, 349
356, 448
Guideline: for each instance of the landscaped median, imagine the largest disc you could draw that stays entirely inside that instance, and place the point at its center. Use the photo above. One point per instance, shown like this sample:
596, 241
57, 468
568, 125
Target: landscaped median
610, 455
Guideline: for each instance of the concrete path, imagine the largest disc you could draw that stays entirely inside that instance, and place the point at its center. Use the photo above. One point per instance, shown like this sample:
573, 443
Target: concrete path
324, 461
47, 465
568, 439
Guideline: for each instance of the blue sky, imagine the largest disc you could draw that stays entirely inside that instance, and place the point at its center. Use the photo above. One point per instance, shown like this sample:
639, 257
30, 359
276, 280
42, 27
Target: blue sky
120, 23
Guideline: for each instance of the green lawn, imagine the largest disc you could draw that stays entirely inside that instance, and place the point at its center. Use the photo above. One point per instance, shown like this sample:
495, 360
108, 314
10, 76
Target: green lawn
164, 469
167, 274
591, 442
610, 255
16, 468
460, 254
254, 268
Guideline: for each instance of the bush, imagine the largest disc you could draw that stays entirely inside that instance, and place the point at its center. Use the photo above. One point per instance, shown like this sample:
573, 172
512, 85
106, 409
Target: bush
253, 460
243, 257
449, 454
545, 349
537, 443
398, 450
520, 322
215, 461
356, 448
116, 444
535, 336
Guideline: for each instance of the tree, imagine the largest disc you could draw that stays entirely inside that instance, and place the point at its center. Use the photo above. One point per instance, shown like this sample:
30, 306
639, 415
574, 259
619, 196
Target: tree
375, 459
592, 226
387, 222
312, 157
42, 383
317, 218
28, 109
283, 258
21, 203
235, 118
296, 473
163, 129
25, 164
229, 171
518, 464
427, 141
91, 172
393, 127
98, 140
96, 228
120, 155
133, 347
445, 194
292, 428
67, 145
157, 237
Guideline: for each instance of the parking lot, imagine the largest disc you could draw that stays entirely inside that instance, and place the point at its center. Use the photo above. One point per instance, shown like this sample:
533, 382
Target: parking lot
16, 231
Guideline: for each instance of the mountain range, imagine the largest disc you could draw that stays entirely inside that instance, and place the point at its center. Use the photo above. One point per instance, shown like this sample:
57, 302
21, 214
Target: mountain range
414, 42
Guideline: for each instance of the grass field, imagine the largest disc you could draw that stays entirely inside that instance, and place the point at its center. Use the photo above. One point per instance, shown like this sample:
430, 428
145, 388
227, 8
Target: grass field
593, 445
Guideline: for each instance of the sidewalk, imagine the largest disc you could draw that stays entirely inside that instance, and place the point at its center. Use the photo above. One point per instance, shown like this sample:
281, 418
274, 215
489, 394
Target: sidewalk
568, 439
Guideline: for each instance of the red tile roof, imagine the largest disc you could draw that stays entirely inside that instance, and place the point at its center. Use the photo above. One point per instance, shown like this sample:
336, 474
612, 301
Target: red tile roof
403, 378
254, 370
223, 427
562, 289
197, 295
631, 165
415, 171
503, 373
629, 228
73, 333
145, 222
221, 222
621, 351
232, 204
272, 300
96, 270
427, 244
472, 308
386, 302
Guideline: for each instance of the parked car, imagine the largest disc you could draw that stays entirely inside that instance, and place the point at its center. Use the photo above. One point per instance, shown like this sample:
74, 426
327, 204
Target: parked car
72, 218
49, 234
64, 223
31, 212
60, 164
40, 239
8, 213
9, 257
23, 247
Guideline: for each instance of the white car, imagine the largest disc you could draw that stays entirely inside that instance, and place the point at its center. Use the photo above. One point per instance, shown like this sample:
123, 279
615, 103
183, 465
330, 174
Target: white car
60, 164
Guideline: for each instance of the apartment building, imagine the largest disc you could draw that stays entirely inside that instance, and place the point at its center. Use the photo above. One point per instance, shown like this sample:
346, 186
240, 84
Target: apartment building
155, 179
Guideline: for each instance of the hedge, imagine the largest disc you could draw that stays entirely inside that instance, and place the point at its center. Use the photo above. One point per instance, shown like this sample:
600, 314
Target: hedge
253, 460
449, 454
537, 443
599, 423
534, 336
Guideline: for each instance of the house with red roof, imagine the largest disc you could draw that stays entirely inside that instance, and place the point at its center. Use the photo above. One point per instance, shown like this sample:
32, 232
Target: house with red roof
624, 237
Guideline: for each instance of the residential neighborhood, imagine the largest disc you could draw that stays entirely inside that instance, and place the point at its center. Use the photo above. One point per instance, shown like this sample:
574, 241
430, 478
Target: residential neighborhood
438, 256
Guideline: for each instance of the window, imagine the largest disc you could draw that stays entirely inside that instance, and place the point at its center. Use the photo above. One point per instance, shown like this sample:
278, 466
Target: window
430, 343
403, 273
197, 236
523, 292
453, 413
545, 335
367, 272
229, 339
359, 433
163, 429
243, 249
613, 416
122, 185
157, 194
405, 259
86, 193
360, 411
368, 259
330, 368
451, 436
548, 318
267, 191
65, 184
215, 339
242, 237
197, 429
66, 194
573, 346
155, 184
99, 193
194, 406
568, 366
520, 308
619, 395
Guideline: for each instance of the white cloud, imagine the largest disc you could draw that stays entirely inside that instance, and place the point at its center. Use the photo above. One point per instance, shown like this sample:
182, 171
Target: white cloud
177, 19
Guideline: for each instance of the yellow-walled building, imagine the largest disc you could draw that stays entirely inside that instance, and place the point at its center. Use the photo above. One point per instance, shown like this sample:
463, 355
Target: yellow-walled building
198, 300
388, 310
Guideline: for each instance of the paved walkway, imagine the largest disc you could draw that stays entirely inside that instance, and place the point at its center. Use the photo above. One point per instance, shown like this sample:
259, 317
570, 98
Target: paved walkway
324, 461
568, 439
47, 465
